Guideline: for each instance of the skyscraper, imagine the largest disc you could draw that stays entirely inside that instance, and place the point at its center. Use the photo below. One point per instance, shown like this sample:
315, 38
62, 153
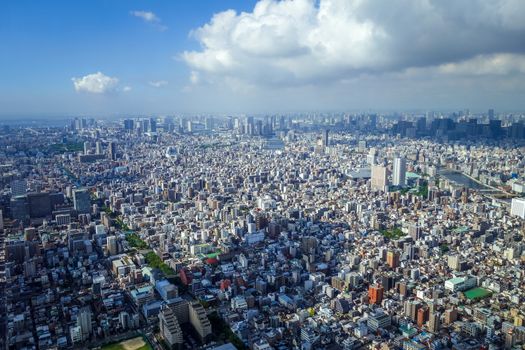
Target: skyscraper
84, 322
82, 201
153, 124
379, 180
325, 138
112, 151
18, 188
98, 147
399, 176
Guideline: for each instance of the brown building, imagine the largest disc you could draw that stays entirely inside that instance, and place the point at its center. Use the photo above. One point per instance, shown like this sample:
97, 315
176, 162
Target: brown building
392, 259
375, 294
422, 316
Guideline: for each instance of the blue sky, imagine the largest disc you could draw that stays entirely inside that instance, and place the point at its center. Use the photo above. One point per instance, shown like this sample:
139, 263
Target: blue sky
138, 57
46, 43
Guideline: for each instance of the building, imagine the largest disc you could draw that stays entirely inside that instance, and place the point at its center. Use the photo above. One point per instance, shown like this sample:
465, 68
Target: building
84, 322
18, 188
392, 259
378, 320
379, 180
82, 201
434, 322
170, 328
112, 147
400, 169
326, 140
112, 247
518, 207
375, 294
460, 283
199, 321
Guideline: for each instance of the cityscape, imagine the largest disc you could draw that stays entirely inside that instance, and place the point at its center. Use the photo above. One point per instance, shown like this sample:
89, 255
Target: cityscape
266, 204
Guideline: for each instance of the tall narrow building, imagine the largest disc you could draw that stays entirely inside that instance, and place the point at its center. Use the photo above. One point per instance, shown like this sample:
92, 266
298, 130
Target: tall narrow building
400, 169
379, 180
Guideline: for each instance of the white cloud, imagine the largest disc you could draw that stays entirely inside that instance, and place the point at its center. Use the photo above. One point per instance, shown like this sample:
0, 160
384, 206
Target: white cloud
150, 17
126, 88
96, 83
158, 83
147, 16
301, 42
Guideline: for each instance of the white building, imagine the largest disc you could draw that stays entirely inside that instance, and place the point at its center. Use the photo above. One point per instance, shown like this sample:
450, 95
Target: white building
400, 170
518, 207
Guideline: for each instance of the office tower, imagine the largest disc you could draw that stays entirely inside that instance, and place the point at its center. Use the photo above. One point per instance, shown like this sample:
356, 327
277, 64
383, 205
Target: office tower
98, 147
208, 123
153, 124
325, 138
1, 220
112, 248
517, 207
145, 125
250, 126
375, 294
39, 204
379, 178
399, 176
129, 125
87, 147
18, 188
82, 201
112, 147
362, 146
491, 113
84, 322
392, 259
434, 322
170, 328
190, 126
19, 208
371, 158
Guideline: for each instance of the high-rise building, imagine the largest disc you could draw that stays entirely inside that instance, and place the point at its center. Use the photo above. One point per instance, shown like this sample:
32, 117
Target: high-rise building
199, 321
18, 188
170, 328
84, 322
129, 125
375, 294
98, 147
112, 147
517, 207
434, 322
392, 259
87, 147
399, 176
153, 124
379, 178
491, 113
112, 247
82, 201
1, 220
326, 140
39, 204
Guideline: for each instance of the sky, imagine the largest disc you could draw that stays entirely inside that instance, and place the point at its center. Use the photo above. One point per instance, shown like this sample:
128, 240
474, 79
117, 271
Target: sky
127, 57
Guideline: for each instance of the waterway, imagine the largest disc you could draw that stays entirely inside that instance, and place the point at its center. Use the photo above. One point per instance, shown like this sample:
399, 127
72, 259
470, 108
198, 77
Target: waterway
461, 179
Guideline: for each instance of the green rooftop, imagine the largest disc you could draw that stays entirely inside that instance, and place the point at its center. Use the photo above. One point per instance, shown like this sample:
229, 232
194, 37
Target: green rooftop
477, 293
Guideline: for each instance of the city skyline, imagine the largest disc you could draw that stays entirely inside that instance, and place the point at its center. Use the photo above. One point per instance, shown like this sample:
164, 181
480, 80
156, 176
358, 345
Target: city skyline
161, 57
